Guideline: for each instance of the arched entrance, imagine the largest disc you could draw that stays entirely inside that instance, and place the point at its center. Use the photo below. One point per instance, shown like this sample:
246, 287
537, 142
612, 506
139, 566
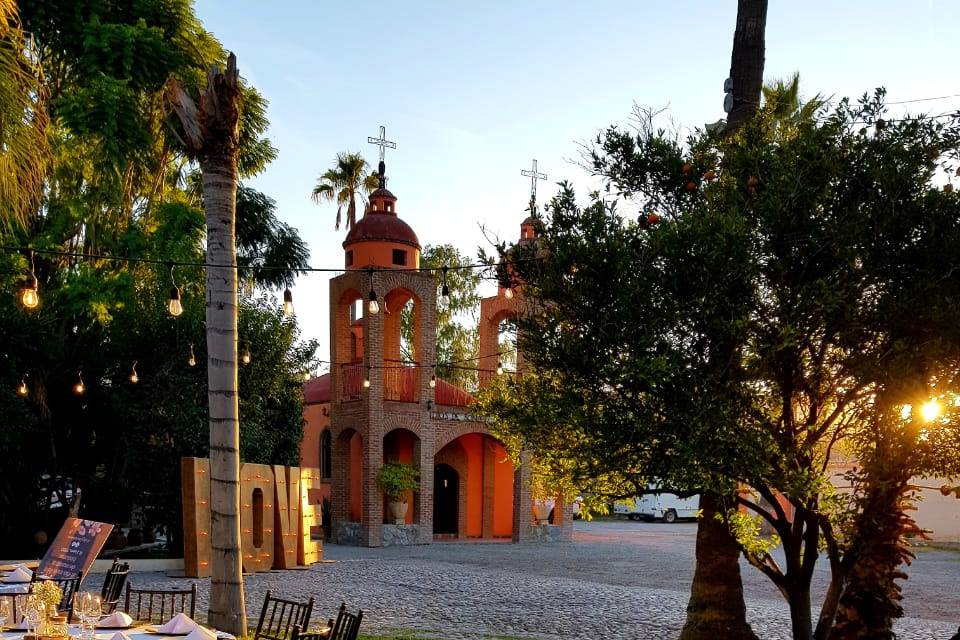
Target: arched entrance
480, 505
446, 500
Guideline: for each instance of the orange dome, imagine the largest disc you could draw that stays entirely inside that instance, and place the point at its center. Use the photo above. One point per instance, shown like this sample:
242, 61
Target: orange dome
379, 226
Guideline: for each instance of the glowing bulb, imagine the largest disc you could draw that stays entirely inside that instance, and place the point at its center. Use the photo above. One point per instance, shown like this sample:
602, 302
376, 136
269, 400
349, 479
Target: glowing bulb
22, 389
930, 410
134, 378
508, 293
192, 360
373, 307
30, 297
246, 357
366, 383
79, 388
287, 303
306, 376
433, 381
499, 369
174, 306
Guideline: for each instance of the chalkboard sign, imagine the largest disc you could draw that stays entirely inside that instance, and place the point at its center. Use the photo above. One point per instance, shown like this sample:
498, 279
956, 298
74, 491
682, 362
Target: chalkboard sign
74, 549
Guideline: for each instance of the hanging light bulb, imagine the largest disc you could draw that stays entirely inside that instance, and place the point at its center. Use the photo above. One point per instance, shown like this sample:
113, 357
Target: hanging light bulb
22, 389
30, 295
373, 307
499, 368
134, 378
174, 306
508, 293
245, 357
192, 360
79, 388
307, 376
433, 381
366, 381
288, 303
444, 302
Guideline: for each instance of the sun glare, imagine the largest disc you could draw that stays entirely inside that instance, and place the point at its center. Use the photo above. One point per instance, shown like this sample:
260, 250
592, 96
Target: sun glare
930, 410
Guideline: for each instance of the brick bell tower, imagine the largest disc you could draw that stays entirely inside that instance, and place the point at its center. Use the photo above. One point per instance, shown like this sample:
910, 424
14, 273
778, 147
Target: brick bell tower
380, 383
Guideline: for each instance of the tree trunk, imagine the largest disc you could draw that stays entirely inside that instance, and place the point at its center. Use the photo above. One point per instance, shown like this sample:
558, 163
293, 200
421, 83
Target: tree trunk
716, 608
746, 62
800, 620
226, 609
871, 601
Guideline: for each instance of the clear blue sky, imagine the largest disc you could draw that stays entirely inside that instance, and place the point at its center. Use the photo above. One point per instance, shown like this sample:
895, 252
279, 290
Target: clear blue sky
472, 91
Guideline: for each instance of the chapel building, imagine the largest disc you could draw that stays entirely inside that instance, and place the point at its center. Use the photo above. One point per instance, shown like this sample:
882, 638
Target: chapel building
377, 406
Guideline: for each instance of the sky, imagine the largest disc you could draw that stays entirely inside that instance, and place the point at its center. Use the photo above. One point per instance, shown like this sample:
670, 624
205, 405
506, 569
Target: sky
471, 92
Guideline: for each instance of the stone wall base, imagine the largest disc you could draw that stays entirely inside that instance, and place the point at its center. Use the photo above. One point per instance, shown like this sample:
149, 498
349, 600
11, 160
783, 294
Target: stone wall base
544, 534
348, 533
405, 535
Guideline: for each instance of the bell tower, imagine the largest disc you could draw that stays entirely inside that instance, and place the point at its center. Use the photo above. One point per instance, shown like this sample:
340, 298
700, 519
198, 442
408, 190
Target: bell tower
380, 378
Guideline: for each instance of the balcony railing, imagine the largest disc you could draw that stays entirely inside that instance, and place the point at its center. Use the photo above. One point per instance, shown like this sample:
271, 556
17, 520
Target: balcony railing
399, 380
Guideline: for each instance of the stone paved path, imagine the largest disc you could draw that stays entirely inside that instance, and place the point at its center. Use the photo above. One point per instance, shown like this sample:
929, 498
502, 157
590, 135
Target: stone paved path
616, 580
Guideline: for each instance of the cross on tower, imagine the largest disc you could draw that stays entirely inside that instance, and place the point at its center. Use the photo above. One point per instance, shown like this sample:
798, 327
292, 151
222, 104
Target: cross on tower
384, 144
534, 176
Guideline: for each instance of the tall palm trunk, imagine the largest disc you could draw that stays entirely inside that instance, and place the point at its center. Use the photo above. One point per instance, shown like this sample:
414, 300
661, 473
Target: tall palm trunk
211, 136
226, 585
716, 608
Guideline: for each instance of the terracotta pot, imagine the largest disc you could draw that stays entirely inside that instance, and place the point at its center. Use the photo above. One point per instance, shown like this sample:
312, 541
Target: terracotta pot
541, 512
398, 511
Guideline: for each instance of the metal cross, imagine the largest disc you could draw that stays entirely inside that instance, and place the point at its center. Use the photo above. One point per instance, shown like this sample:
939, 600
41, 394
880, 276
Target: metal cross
383, 143
534, 176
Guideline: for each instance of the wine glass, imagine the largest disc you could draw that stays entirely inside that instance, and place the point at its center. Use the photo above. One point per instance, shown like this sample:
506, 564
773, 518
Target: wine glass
6, 611
32, 610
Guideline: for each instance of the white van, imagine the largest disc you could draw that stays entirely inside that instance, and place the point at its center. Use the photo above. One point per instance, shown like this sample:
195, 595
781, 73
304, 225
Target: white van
663, 505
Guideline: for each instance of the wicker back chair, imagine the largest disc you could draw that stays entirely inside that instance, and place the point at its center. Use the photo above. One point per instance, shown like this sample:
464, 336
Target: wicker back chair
113, 584
159, 605
278, 617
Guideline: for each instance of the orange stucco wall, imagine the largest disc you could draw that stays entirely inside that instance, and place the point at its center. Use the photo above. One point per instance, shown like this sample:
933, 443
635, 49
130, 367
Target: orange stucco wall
380, 253
472, 444
502, 491
314, 422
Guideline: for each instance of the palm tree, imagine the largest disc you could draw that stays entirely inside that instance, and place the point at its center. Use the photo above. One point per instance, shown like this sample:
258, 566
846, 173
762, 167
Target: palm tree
24, 151
341, 184
211, 134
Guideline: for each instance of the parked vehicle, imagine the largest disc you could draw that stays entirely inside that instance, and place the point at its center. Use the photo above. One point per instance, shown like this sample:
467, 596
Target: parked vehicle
663, 505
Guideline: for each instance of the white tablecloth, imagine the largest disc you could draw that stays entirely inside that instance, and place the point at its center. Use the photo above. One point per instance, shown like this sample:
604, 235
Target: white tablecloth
137, 632
16, 587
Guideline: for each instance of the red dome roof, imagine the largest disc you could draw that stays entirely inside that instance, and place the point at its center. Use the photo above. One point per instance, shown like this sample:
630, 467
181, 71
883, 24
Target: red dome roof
380, 226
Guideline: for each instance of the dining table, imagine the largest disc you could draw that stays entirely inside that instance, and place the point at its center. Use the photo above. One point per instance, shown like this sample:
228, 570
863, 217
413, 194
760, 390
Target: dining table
136, 631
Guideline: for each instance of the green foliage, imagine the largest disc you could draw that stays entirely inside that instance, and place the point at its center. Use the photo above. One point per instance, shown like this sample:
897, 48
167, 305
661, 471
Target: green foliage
349, 178
396, 478
119, 184
796, 288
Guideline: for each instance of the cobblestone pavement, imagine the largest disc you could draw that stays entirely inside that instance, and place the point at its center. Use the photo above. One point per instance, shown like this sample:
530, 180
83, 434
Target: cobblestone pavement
616, 580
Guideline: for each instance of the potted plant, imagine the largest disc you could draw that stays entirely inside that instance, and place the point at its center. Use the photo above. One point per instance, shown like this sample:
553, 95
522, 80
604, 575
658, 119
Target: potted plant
395, 479
541, 503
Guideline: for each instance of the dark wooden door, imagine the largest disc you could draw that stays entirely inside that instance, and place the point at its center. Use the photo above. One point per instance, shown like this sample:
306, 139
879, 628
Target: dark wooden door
446, 498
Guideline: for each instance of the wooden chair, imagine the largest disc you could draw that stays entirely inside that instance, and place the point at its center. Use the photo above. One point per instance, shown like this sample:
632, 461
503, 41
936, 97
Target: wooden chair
345, 627
113, 584
159, 605
69, 586
13, 609
285, 616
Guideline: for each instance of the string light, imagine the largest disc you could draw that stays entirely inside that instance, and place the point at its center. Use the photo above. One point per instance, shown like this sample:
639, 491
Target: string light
192, 360
134, 378
245, 357
508, 293
79, 388
433, 379
444, 302
373, 307
499, 368
30, 295
22, 389
174, 306
307, 375
366, 381
288, 303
